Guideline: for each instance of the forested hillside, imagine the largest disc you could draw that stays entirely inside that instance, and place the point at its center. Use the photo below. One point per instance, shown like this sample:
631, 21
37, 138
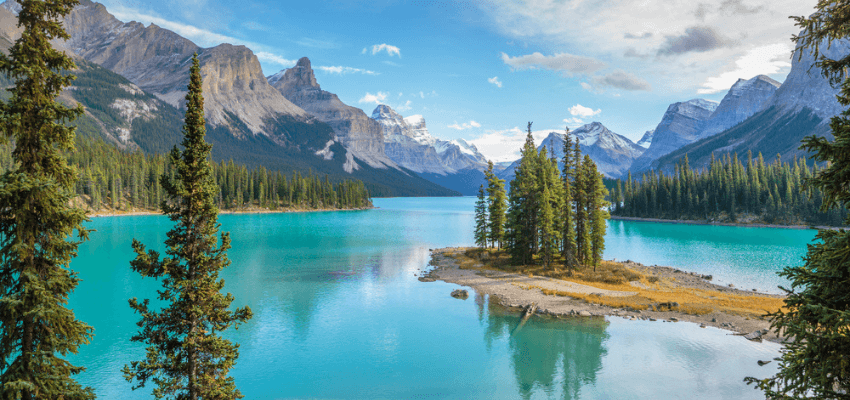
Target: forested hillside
728, 191
111, 180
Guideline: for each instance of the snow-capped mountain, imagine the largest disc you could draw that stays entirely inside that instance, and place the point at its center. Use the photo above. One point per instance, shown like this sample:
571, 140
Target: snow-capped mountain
802, 106
408, 143
646, 140
681, 125
612, 153
745, 98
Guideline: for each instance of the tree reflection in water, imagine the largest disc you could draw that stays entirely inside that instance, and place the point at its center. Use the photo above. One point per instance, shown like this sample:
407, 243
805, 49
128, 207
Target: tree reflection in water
547, 353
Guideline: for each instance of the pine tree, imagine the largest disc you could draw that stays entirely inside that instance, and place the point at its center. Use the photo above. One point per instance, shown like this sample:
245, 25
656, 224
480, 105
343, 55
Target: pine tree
598, 213
186, 355
580, 200
547, 228
35, 218
496, 206
481, 219
568, 248
522, 215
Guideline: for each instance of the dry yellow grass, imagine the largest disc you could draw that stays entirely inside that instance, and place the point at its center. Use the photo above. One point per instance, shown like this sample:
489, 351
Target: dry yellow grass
615, 276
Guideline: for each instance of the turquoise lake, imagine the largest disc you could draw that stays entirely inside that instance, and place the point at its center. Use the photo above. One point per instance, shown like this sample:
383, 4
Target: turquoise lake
339, 313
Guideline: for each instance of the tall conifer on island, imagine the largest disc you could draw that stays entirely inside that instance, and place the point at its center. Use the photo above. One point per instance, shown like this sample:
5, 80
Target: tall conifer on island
598, 208
186, 356
580, 183
522, 214
497, 205
481, 219
35, 217
814, 362
568, 247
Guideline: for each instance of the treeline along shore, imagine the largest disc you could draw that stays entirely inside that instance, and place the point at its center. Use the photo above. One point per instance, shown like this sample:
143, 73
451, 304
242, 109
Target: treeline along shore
115, 182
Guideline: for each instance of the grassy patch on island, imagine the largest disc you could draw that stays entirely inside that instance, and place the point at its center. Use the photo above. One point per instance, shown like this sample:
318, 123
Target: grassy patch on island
650, 291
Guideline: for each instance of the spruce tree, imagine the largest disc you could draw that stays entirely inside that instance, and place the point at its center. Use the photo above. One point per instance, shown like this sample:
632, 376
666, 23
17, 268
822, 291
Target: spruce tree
568, 247
547, 228
496, 206
580, 203
36, 221
186, 356
522, 216
481, 219
598, 212
816, 318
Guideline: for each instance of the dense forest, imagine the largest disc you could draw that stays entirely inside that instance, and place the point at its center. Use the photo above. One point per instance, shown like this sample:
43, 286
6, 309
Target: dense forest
112, 180
555, 217
729, 191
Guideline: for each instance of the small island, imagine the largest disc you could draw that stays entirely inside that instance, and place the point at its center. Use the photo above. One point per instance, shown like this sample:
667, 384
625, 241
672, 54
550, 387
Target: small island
623, 289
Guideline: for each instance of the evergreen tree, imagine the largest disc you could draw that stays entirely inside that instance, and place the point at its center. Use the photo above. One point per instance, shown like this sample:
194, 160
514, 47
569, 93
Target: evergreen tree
568, 247
35, 217
580, 196
598, 213
816, 318
522, 218
547, 228
497, 204
481, 219
186, 356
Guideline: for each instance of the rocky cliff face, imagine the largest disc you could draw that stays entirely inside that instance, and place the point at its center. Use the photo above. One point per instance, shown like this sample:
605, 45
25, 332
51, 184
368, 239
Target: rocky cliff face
805, 86
612, 153
355, 130
802, 106
408, 142
158, 60
681, 125
646, 140
745, 98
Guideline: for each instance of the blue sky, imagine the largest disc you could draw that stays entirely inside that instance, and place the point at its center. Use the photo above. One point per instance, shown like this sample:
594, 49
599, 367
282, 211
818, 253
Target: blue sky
480, 70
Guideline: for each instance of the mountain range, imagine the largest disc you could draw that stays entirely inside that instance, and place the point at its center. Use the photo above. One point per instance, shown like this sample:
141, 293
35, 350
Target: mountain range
145, 73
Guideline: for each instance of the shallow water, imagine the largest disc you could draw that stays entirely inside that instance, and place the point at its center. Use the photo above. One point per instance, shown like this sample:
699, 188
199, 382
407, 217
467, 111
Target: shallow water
339, 313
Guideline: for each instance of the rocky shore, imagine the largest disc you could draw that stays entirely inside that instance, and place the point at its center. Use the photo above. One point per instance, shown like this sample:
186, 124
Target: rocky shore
522, 292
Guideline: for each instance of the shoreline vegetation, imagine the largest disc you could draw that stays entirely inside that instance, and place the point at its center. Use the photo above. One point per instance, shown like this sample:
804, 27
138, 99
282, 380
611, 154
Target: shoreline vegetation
626, 289
718, 223
135, 213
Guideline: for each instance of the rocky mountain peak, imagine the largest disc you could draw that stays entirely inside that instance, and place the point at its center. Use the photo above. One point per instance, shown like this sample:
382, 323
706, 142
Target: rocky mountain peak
805, 86
416, 121
385, 112
646, 140
745, 98
300, 76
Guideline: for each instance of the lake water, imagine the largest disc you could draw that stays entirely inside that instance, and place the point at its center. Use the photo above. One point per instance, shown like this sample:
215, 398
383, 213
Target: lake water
339, 313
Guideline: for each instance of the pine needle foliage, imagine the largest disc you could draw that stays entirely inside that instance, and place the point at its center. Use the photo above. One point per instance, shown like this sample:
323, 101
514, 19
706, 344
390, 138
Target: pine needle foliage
186, 356
36, 328
481, 233
814, 364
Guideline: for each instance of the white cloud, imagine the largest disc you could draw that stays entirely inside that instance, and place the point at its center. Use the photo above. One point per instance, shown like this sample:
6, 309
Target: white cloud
377, 98
574, 122
581, 111
764, 60
274, 58
495, 80
199, 36
465, 125
346, 70
391, 50
404, 107
505, 145
565, 63
682, 30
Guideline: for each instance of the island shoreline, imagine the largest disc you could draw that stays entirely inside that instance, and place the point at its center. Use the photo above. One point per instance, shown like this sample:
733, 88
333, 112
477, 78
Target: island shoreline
518, 292
735, 224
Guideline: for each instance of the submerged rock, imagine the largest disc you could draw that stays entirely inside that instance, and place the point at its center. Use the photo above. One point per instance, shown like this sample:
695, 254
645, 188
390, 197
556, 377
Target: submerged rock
460, 294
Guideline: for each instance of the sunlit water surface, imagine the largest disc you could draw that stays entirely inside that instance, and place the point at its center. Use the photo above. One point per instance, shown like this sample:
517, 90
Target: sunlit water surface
339, 312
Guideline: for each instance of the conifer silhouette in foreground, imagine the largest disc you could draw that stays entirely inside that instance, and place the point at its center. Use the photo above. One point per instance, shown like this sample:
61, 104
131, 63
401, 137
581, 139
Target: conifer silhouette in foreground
814, 362
38, 330
186, 356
